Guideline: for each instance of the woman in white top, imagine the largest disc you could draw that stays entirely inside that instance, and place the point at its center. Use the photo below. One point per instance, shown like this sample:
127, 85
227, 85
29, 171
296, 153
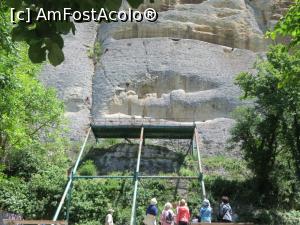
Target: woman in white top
167, 216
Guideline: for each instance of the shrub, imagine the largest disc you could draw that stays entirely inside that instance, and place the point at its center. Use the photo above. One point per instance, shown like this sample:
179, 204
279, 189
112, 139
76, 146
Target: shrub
88, 168
92, 198
93, 222
273, 217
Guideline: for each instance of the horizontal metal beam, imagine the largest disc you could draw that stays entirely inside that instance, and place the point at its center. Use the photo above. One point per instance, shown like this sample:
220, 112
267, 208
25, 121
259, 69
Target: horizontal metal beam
131, 177
102, 177
169, 177
151, 131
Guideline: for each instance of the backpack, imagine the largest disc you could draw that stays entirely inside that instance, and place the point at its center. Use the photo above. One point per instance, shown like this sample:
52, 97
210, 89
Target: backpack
169, 218
224, 209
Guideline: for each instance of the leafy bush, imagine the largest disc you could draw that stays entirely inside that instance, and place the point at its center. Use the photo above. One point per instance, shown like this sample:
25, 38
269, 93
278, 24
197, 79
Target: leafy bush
186, 172
273, 217
232, 168
14, 196
88, 168
36, 198
92, 222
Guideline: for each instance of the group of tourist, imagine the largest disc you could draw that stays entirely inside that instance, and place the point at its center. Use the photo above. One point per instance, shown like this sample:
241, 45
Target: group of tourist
167, 217
182, 215
224, 214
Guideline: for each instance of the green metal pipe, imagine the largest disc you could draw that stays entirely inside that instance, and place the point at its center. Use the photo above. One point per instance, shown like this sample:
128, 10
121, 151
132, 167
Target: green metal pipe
199, 162
169, 177
136, 181
71, 178
81, 152
69, 203
139, 177
103, 177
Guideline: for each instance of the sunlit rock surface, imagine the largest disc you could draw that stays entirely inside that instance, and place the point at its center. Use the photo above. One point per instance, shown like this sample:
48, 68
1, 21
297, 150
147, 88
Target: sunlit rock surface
185, 80
181, 67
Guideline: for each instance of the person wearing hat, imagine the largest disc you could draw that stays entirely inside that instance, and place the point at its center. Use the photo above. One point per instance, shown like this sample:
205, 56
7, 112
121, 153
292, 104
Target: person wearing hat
109, 218
183, 213
151, 213
205, 211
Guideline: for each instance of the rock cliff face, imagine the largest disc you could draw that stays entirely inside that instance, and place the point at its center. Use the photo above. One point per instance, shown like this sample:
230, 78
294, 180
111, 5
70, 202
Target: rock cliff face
180, 67
123, 157
183, 80
73, 78
224, 22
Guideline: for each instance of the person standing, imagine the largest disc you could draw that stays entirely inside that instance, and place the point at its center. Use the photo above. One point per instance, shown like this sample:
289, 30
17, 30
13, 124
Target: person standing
167, 216
225, 211
183, 214
151, 213
205, 211
109, 218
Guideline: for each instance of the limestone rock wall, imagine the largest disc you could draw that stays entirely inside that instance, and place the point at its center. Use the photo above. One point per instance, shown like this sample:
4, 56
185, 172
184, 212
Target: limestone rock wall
73, 78
183, 80
225, 22
181, 67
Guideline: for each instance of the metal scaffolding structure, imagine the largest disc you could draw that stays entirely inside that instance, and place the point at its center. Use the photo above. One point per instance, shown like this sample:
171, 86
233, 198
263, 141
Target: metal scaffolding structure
138, 129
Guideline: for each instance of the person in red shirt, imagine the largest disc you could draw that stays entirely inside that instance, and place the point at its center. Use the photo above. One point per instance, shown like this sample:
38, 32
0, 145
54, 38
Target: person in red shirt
183, 213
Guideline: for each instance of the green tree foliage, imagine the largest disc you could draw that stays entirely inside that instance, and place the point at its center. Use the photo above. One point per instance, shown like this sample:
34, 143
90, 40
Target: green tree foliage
269, 131
28, 111
33, 163
5, 39
32, 149
277, 218
45, 37
32, 159
289, 25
